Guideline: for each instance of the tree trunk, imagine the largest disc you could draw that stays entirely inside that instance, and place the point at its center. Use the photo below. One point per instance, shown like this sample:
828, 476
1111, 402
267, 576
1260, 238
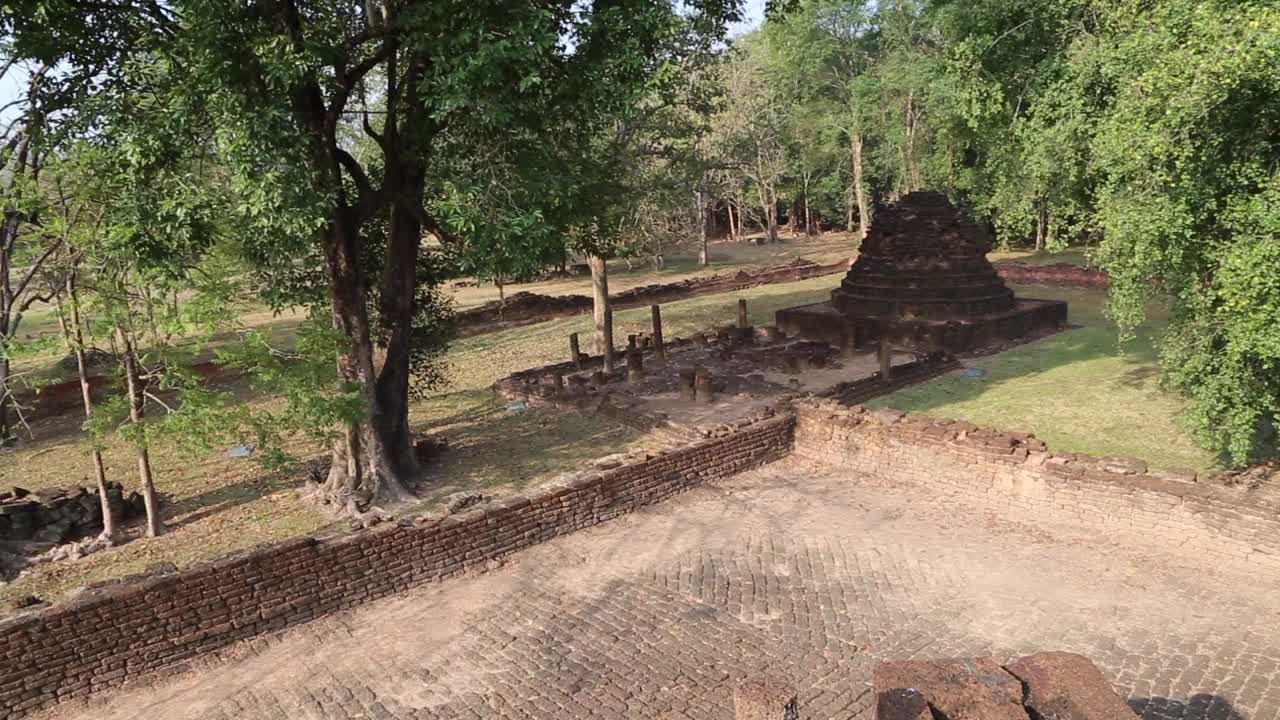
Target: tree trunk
73, 336
6, 398
702, 227
133, 385
848, 209
859, 188
808, 216
602, 312
771, 215
733, 224
1042, 223
368, 467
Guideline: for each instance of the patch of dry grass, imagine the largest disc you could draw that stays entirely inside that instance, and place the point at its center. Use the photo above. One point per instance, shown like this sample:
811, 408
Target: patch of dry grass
216, 505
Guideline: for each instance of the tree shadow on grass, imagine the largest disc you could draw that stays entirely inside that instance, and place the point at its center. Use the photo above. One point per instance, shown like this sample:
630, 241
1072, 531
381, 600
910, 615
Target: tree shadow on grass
192, 509
490, 445
1198, 707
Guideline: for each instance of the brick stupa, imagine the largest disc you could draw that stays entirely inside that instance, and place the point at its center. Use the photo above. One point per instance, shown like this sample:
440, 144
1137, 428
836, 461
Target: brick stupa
922, 282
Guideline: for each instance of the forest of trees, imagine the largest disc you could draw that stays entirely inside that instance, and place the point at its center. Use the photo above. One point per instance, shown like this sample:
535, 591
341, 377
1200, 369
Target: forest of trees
166, 163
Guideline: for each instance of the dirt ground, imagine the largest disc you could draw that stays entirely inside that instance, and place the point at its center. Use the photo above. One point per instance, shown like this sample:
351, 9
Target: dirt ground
802, 572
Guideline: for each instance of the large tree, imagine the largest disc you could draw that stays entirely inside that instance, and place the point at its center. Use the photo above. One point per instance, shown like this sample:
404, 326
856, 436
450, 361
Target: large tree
284, 85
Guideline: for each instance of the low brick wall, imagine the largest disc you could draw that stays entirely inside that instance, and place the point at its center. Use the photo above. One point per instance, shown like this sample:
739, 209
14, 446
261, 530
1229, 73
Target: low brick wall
1055, 275
109, 636
900, 376
1014, 474
526, 308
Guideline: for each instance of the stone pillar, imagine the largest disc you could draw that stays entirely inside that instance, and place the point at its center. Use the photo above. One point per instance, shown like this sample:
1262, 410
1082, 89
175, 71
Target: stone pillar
575, 352
764, 699
599, 379
686, 384
886, 360
658, 346
558, 381
702, 388
635, 364
849, 344
743, 333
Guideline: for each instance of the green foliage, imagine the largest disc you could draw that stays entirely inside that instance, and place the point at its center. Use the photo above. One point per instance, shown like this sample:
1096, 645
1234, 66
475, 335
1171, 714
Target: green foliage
316, 400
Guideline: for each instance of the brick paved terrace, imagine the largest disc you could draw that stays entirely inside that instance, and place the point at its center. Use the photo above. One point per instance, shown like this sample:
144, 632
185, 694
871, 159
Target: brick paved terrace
809, 573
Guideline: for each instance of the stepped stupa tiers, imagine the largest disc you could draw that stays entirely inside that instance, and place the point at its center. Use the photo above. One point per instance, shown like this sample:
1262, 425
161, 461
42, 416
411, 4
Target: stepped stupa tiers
922, 282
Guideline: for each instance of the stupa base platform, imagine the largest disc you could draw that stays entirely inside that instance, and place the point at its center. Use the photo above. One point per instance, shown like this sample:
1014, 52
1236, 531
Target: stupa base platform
824, 323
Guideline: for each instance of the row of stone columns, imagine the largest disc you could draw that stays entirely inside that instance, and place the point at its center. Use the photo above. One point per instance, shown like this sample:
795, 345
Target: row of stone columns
659, 346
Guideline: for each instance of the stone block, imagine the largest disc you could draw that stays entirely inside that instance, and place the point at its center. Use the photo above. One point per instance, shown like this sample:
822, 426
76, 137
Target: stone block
959, 689
902, 704
1066, 686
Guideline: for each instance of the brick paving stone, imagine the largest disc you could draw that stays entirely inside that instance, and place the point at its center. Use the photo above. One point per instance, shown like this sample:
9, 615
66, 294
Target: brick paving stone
791, 572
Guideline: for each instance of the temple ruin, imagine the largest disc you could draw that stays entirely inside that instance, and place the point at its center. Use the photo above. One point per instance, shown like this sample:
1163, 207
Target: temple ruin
922, 282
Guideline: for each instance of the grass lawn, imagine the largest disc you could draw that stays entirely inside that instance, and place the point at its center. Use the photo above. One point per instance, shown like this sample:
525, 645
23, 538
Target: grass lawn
1070, 256
1078, 391
681, 263
1074, 390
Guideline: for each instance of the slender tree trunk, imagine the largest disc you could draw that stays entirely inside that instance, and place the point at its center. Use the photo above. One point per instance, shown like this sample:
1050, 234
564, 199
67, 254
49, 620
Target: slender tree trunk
6, 397
73, 336
733, 224
808, 217
910, 168
601, 309
703, 260
848, 209
771, 215
133, 385
1042, 223
859, 188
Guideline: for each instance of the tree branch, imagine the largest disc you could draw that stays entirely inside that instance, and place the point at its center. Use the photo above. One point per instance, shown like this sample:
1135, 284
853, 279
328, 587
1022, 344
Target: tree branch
367, 193
35, 268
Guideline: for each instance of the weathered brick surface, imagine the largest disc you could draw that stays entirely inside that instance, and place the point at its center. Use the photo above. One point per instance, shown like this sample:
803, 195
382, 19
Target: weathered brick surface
107, 636
789, 571
1054, 274
1015, 474
1068, 686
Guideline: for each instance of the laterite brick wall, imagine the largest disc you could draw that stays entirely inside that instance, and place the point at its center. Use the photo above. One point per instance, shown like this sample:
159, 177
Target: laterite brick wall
106, 637
1014, 474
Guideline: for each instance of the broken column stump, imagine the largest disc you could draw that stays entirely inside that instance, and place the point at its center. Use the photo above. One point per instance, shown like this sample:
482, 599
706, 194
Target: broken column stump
849, 345
635, 365
575, 351
761, 698
743, 333
687, 376
703, 391
599, 379
886, 360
